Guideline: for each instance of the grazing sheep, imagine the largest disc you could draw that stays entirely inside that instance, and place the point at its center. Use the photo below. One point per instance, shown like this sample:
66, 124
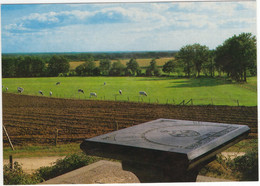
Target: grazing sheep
80, 90
40, 92
142, 93
57, 83
50, 93
120, 92
20, 89
93, 94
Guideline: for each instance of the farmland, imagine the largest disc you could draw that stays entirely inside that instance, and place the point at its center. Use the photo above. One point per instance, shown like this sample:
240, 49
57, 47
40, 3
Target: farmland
141, 62
34, 120
160, 90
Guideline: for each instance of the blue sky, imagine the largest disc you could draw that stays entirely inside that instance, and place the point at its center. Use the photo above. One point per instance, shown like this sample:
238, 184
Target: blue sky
122, 26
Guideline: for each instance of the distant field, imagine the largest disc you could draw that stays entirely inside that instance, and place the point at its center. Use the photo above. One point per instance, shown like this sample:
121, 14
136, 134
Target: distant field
141, 62
202, 91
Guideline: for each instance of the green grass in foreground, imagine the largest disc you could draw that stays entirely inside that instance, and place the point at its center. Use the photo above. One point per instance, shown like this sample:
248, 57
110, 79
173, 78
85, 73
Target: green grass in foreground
203, 91
41, 151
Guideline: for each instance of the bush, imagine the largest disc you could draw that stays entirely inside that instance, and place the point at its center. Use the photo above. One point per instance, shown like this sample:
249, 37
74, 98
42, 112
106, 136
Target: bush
16, 176
247, 165
62, 166
243, 168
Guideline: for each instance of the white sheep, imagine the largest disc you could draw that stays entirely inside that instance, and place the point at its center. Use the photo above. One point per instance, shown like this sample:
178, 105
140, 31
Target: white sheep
40, 92
6, 88
93, 94
120, 92
50, 93
80, 90
20, 89
142, 93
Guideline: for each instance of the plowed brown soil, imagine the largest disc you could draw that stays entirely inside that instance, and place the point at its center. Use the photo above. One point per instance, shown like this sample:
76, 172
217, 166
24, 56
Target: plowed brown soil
34, 119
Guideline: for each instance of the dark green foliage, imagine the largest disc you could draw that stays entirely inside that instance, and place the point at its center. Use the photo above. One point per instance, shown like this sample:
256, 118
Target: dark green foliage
87, 69
169, 66
237, 55
16, 176
58, 64
104, 66
243, 168
193, 57
26, 66
132, 67
65, 165
117, 69
247, 165
152, 70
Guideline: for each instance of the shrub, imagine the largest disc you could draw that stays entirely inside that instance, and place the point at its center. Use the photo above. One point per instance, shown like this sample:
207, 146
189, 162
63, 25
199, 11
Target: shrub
62, 166
247, 165
16, 176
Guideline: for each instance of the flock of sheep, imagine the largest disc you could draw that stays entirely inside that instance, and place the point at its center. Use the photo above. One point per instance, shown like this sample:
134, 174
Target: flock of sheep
92, 94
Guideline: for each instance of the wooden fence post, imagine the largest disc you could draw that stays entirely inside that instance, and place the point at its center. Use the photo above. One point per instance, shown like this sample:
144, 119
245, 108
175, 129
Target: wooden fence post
11, 162
116, 125
56, 136
10, 142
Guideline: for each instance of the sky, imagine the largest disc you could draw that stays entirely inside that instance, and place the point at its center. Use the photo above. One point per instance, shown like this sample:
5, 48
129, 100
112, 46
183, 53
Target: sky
99, 27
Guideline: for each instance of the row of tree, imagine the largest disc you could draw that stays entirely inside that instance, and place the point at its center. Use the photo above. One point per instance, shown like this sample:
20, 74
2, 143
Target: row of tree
235, 57
32, 66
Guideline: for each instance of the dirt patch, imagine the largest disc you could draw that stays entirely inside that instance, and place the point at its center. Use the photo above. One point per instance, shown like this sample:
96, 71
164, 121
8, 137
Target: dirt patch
34, 119
31, 164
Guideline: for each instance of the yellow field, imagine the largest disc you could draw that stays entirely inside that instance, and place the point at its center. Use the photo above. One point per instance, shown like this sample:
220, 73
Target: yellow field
141, 62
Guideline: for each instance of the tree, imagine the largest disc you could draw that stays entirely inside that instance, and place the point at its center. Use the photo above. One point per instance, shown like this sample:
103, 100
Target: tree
185, 56
201, 56
152, 69
9, 67
38, 67
169, 67
133, 66
117, 69
209, 66
87, 69
193, 57
24, 66
58, 64
237, 55
104, 66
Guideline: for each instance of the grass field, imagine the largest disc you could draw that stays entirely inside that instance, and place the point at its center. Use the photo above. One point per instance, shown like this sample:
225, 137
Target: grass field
141, 62
160, 90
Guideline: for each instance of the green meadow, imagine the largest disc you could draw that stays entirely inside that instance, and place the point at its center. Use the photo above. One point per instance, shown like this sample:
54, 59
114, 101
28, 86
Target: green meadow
162, 90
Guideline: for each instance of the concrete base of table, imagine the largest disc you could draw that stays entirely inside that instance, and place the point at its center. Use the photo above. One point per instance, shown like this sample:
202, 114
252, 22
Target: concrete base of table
148, 173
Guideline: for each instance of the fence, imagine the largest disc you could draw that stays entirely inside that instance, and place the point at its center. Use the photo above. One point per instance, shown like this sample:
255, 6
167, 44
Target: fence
153, 100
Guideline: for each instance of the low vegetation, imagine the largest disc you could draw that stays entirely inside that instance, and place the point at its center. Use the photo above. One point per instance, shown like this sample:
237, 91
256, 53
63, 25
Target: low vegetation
16, 176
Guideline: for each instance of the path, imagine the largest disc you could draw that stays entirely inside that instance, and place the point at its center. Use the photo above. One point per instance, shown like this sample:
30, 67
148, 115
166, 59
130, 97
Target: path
29, 165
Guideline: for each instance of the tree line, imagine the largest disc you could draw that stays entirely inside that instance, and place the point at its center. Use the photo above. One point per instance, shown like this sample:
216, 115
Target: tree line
236, 57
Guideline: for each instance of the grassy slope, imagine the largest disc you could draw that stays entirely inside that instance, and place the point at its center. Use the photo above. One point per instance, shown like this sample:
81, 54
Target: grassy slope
163, 90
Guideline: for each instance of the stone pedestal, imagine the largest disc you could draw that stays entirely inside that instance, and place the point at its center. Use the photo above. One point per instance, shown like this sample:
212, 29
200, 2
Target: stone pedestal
166, 150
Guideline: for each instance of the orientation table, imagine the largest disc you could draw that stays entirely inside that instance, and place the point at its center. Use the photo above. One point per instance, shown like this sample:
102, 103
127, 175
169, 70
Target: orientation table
166, 150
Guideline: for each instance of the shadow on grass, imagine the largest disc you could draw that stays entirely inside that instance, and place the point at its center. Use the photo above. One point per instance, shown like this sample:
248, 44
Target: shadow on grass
199, 82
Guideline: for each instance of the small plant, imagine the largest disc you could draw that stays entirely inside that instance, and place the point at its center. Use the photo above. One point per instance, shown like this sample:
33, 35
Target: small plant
15, 176
247, 165
62, 166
